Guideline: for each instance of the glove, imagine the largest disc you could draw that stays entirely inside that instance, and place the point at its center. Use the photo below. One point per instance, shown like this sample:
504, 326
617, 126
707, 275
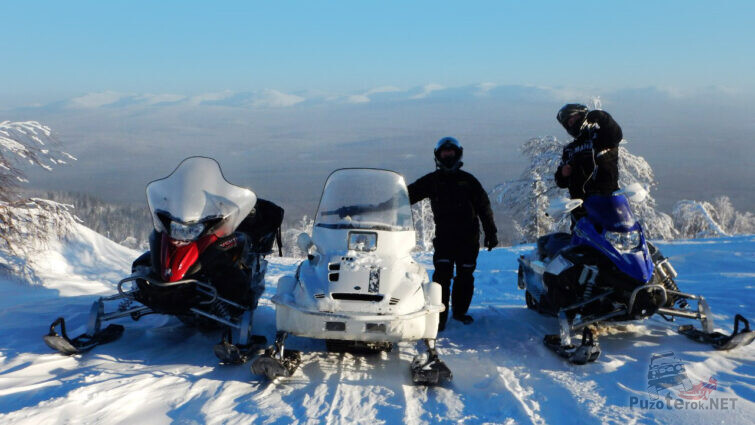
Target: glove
491, 241
348, 211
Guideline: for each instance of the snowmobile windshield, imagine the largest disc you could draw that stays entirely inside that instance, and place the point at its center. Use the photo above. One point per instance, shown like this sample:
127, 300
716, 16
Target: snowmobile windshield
610, 212
365, 199
197, 192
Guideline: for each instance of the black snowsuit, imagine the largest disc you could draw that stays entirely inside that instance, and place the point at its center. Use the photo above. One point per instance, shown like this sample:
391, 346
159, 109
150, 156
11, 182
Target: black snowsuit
457, 200
262, 225
594, 159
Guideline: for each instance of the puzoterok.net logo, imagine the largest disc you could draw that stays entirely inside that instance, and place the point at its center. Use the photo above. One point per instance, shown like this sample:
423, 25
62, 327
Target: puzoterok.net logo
669, 388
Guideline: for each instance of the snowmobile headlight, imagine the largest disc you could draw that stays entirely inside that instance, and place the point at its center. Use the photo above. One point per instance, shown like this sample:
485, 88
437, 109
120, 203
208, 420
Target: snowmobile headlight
184, 232
624, 241
362, 241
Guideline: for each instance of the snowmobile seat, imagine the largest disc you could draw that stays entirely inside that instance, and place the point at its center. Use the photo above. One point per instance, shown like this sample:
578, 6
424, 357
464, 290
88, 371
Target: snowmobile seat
549, 245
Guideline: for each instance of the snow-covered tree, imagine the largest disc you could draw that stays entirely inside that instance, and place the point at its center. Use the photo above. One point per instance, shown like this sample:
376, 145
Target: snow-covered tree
520, 204
290, 233
701, 219
27, 224
424, 224
634, 169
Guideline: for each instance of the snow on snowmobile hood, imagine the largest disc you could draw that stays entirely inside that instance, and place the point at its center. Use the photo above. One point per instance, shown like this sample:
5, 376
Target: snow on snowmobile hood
195, 191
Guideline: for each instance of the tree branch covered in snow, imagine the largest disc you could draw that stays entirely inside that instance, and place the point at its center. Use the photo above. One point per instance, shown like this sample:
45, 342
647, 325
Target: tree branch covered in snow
27, 225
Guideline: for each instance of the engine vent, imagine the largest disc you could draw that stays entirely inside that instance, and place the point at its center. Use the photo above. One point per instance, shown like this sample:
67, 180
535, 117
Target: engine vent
334, 266
357, 297
333, 277
319, 296
393, 301
375, 327
335, 326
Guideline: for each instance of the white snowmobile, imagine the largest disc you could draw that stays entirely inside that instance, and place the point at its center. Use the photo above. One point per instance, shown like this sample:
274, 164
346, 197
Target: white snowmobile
605, 271
199, 268
359, 287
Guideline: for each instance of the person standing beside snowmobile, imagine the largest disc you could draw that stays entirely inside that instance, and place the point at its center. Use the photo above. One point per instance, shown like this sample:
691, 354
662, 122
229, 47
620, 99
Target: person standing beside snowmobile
263, 226
458, 201
590, 163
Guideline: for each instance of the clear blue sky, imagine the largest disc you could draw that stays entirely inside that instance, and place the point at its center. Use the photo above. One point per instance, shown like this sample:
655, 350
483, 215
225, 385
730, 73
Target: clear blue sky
62, 48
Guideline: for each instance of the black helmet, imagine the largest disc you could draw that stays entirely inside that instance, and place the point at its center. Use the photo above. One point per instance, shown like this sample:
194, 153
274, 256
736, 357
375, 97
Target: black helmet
452, 163
568, 111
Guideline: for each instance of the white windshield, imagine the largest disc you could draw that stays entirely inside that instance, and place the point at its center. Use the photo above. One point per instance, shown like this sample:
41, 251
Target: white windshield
197, 191
365, 199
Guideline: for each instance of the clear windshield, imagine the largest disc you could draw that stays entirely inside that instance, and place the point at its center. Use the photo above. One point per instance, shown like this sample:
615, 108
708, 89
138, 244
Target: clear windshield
197, 191
365, 199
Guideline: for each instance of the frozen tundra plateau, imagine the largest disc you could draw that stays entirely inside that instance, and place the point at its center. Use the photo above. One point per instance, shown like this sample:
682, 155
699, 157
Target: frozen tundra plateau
163, 372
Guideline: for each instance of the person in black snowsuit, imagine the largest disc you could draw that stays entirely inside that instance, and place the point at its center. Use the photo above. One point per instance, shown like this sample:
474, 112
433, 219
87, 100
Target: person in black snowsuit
590, 163
458, 201
232, 261
263, 225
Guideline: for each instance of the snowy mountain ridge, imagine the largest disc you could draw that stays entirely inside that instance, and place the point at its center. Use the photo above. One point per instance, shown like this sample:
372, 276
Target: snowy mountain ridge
163, 372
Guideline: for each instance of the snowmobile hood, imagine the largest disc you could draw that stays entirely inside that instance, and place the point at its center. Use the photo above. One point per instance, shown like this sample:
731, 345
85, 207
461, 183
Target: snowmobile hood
610, 212
195, 191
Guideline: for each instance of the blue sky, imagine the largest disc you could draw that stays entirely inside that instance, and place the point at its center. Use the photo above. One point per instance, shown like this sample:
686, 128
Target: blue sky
55, 49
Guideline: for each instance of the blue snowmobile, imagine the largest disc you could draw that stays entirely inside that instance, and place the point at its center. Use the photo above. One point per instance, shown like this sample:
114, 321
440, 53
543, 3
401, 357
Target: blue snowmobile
606, 271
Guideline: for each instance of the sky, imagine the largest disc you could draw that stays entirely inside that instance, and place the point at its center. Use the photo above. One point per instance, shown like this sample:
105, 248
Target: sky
61, 49
281, 93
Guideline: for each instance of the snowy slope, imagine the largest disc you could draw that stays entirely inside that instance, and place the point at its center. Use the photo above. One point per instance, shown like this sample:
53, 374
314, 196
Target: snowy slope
163, 372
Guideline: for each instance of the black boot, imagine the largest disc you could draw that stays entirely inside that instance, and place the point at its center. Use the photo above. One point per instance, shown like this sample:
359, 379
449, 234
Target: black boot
464, 318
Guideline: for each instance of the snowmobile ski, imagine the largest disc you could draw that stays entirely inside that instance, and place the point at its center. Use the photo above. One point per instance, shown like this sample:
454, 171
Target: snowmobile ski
272, 367
429, 370
230, 353
587, 352
61, 343
721, 341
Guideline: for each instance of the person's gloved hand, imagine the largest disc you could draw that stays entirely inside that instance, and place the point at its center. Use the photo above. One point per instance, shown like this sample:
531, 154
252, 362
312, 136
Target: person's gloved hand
491, 241
347, 211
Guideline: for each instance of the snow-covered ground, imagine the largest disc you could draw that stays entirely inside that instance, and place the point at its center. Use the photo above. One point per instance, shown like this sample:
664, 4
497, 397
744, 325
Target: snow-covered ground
163, 372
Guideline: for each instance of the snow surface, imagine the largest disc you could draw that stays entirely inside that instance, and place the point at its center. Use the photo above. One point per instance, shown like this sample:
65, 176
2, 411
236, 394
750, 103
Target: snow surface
163, 372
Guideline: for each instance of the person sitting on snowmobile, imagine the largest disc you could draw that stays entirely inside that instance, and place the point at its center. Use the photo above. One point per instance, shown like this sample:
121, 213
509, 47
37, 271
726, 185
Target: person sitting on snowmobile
590, 163
457, 200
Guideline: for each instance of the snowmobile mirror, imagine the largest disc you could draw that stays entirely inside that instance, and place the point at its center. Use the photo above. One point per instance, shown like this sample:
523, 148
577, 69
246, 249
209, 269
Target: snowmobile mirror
304, 242
561, 206
634, 192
